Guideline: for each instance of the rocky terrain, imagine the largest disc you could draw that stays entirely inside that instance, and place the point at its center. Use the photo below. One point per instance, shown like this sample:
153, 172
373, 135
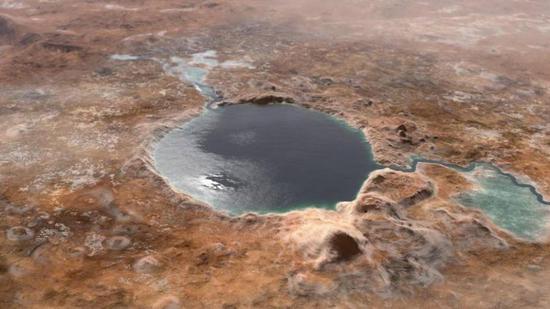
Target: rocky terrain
87, 87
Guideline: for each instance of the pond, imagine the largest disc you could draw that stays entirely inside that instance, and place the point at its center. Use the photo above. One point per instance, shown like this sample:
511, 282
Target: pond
510, 205
513, 205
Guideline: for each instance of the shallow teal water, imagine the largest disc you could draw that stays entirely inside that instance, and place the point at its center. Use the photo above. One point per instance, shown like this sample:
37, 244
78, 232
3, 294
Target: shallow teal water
512, 207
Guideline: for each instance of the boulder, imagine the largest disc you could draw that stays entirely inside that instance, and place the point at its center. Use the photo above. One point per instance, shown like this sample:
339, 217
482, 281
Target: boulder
147, 264
117, 243
407, 189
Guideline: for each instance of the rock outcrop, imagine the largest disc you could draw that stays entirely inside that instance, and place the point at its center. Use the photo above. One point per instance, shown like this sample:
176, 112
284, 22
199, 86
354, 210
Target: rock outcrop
387, 232
406, 189
266, 98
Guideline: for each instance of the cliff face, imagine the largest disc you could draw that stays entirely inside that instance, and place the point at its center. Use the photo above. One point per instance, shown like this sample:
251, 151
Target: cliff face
86, 222
396, 234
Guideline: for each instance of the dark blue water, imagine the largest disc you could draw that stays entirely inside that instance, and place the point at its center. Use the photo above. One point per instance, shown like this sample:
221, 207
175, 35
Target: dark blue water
270, 158
279, 157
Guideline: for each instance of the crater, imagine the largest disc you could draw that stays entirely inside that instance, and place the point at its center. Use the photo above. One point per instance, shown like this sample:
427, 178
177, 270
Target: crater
278, 157
344, 246
265, 158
